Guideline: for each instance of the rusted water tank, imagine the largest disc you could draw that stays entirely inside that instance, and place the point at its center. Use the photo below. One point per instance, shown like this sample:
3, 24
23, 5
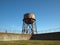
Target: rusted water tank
29, 18
29, 24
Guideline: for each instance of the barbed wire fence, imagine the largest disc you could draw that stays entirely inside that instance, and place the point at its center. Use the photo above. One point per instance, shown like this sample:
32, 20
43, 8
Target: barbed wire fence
39, 31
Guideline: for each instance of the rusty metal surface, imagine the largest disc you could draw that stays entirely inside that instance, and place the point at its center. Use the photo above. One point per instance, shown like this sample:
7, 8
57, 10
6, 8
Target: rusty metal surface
29, 15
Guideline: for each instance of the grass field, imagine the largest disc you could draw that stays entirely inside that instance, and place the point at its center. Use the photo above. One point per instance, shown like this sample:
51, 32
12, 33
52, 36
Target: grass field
31, 42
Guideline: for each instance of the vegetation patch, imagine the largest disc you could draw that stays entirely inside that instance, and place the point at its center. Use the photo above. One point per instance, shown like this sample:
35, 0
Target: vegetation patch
31, 42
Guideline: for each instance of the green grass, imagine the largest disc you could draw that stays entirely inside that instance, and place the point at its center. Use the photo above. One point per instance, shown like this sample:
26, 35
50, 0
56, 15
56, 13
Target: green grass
31, 42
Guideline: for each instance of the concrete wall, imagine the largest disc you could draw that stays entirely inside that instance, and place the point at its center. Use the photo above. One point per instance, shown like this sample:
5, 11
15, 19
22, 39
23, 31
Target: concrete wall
9, 36
46, 36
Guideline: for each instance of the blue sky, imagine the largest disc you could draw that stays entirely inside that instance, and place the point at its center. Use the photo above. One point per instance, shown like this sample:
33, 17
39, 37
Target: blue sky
47, 14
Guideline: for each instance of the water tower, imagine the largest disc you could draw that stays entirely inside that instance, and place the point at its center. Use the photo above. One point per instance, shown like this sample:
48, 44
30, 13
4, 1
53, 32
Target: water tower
29, 24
